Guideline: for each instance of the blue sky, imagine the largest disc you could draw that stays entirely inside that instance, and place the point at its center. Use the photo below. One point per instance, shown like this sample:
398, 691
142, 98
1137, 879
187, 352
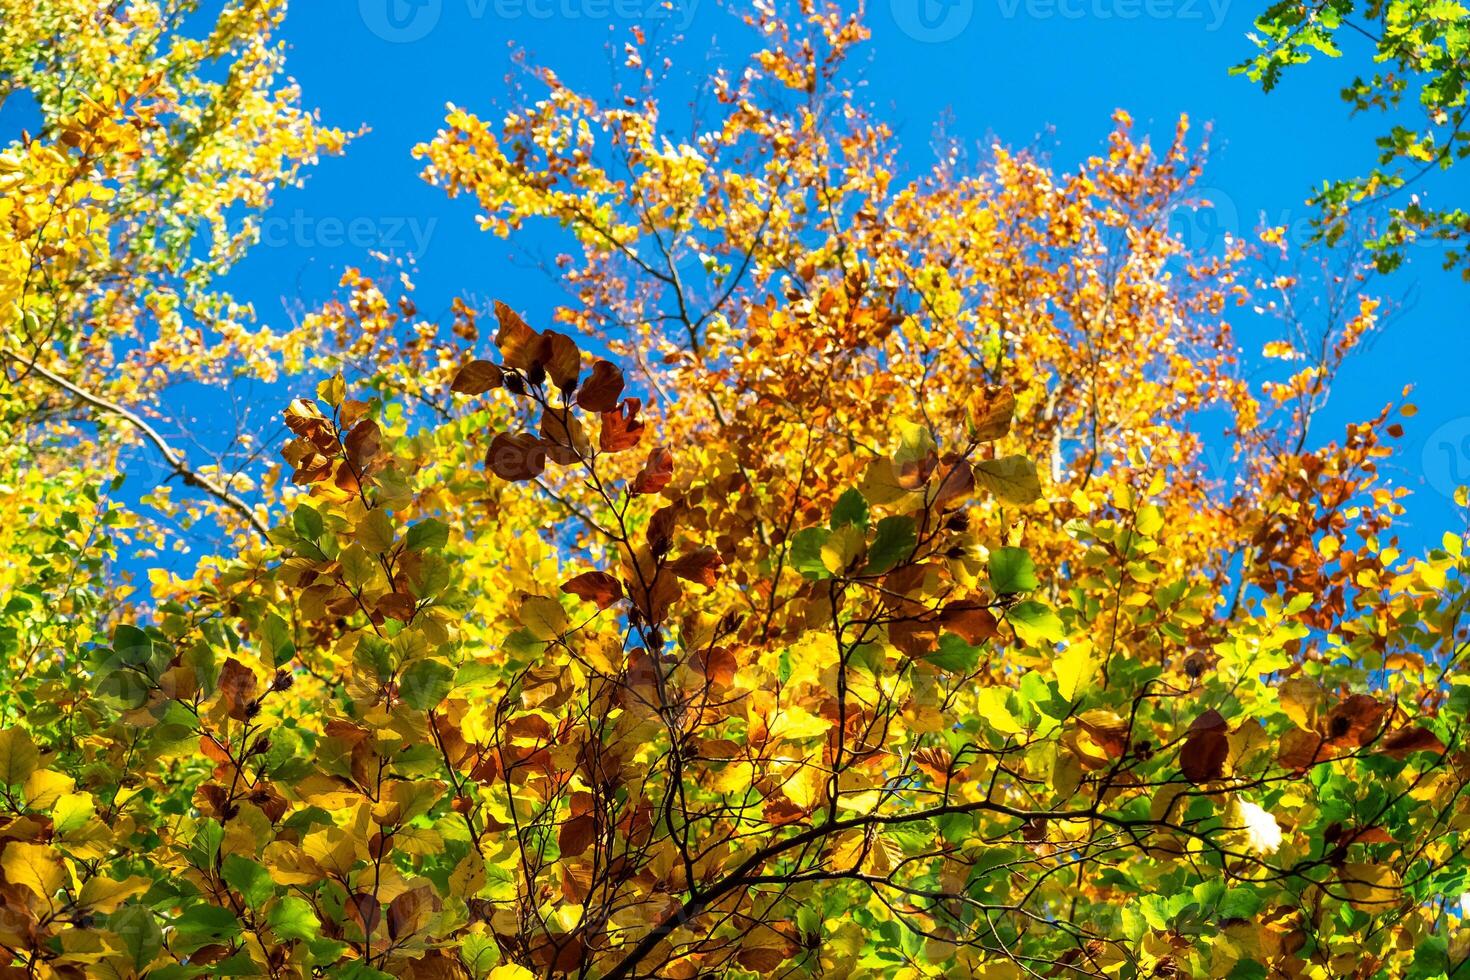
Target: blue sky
1044, 72
1047, 72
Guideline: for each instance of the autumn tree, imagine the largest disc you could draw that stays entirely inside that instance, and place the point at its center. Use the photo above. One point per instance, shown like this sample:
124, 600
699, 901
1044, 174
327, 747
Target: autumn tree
848, 580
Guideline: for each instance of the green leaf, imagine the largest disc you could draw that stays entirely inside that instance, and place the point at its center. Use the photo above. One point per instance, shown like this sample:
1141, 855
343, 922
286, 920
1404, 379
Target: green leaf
307, 522
278, 641
139, 932
1035, 623
251, 880
955, 655
428, 535
1239, 903
806, 552
894, 541
479, 953
132, 646
293, 918
203, 925
1011, 571
425, 683
851, 508
1011, 478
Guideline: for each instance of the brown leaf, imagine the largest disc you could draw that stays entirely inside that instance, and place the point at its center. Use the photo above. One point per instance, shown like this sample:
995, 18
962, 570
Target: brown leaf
477, 377
409, 911
958, 482
1107, 729
364, 911
656, 473
397, 605
1205, 749
970, 621
602, 389
1355, 721
237, 686
362, 444
660, 530
519, 344
577, 834
1300, 750
1368, 835
621, 428
717, 664
1406, 741
306, 420
701, 566
653, 602
562, 359
516, 457
594, 586
564, 438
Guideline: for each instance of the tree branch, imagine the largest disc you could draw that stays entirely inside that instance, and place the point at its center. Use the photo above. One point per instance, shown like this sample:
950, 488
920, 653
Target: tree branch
175, 459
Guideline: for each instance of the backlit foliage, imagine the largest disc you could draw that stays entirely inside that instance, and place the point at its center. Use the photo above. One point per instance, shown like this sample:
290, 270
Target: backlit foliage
848, 581
1419, 53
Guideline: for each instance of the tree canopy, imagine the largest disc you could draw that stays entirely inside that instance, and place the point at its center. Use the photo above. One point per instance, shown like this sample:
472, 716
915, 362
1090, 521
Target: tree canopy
850, 579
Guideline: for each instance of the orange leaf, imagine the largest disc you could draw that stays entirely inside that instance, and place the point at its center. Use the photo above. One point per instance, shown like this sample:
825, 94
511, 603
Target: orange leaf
519, 345
656, 473
621, 429
594, 586
701, 566
1406, 741
477, 377
562, 359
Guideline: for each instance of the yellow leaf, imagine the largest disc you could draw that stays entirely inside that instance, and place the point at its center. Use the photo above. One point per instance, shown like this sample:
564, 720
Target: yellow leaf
991, 703
33, 866
796, 722
45, 786
543, 617
18, 756
332, 390
1149, 520
842, 548
806, 786
510, 971
105, 895
1370, 887
1075, 670
72, 811
1301, 699
375, 531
